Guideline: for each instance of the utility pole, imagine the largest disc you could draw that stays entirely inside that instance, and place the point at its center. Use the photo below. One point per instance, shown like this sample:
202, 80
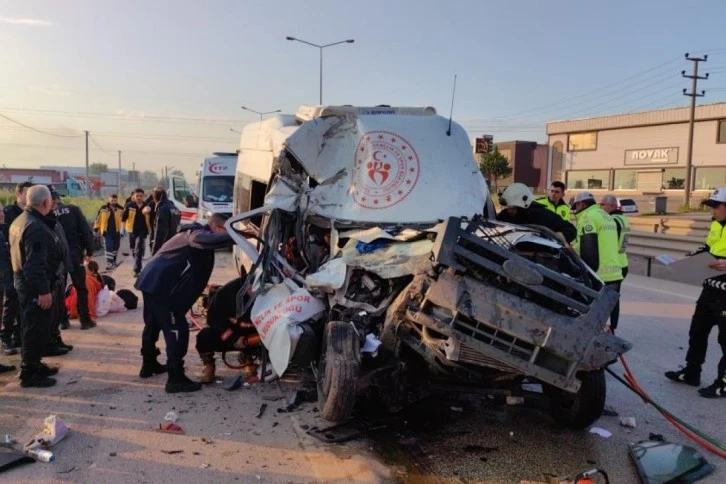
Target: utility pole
118, 175
693, 95
88, 179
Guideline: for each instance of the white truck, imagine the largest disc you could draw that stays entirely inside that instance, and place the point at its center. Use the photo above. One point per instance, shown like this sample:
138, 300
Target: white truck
216, 185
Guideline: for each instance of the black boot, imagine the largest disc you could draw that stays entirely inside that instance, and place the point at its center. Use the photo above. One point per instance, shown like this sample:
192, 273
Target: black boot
689, 375
58, 342
32, 377
52, 350
7, 348
88, 324
46, 370
151, 366
6, 368
64, 325
178, 381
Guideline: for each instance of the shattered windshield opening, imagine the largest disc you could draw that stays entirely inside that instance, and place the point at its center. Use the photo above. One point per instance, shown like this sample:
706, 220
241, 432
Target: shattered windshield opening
664, 462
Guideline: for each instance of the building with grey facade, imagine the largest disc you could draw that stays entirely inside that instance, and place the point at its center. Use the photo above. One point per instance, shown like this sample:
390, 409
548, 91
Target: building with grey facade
640, 153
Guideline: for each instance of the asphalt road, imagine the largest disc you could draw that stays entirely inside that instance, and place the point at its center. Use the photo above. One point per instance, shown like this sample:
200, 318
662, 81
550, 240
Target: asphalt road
113, 416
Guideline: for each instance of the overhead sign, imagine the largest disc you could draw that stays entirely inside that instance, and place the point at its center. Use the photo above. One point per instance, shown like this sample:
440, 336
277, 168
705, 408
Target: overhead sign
652, 156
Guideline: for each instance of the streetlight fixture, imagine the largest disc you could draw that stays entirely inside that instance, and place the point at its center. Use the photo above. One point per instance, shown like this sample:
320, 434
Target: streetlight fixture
320, 48
259, 113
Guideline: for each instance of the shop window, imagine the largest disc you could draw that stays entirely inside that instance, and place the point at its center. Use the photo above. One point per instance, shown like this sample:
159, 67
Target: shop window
721, 135
588, 180
582, 142
625, 180
709, 178
674, 178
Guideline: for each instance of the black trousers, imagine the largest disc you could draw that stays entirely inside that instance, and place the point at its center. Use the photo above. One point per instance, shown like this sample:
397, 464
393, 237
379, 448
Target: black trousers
615, 314
58, 312
209, 340
160, 318
78, 278
10, 329
35, 330
710, 311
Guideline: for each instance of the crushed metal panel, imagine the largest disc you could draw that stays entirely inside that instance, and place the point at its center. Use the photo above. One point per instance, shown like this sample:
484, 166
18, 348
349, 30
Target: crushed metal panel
389, 168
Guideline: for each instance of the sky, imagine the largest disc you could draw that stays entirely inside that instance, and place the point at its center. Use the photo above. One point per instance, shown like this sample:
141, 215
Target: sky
163, 80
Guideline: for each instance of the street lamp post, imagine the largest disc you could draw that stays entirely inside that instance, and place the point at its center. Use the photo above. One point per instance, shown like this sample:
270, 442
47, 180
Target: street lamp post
320, 48
259, 113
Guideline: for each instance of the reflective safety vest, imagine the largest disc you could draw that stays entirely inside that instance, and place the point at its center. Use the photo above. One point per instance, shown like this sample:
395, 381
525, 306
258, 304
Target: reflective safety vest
716, 239
562, 209
104, 214
622, 221
594, 220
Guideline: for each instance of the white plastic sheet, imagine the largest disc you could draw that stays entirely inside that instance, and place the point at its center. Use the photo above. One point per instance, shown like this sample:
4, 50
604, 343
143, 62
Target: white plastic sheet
103, 302
275, 315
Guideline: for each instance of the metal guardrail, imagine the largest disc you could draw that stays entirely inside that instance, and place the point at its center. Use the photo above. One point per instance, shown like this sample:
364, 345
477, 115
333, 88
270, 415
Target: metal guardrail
671, 225
651, 245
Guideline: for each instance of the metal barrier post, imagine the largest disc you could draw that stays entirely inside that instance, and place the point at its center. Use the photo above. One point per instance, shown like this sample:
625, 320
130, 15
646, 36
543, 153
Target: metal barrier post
647, 270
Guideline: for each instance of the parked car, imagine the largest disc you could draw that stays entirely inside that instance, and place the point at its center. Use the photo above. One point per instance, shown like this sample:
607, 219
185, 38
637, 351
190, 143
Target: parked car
362, 273
628, 206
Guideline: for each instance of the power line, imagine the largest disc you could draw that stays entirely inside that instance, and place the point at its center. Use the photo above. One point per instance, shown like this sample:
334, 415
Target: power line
122, 117
149, 136
68, 148
98, 145
40, 131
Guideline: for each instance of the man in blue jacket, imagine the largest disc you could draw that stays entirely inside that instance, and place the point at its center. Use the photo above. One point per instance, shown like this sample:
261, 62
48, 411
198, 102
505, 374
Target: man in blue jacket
171, 282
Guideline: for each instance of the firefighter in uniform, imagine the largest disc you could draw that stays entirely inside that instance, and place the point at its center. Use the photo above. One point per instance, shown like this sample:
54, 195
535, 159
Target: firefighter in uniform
108, 223
710, 307
610, 204
597, 243
37, 261
555, 202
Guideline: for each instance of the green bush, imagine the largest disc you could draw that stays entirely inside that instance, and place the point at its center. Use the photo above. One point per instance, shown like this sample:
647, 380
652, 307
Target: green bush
88, 207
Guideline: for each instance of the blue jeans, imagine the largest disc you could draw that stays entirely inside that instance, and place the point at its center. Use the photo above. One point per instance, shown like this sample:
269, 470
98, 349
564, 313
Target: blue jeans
138, 248
112, 240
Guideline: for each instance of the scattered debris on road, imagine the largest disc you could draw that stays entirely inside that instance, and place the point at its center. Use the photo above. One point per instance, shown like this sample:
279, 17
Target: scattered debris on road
628, 422
262, 410
601, 432
172, 451
170, 428
171, 416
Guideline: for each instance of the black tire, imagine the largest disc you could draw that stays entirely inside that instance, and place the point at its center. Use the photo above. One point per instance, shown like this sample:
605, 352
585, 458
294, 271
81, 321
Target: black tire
581, 410
338, 371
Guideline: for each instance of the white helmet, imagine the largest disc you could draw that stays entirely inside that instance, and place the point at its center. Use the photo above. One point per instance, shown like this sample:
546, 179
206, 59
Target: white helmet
516, 195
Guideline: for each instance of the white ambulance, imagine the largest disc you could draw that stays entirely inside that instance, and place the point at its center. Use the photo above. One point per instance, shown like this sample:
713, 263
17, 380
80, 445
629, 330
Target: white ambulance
216, 185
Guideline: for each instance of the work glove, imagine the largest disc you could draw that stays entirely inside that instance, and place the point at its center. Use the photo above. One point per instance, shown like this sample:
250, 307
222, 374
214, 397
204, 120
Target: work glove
701, 249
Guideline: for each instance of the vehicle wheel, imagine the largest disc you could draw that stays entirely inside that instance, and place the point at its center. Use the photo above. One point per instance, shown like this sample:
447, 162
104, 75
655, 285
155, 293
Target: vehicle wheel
579, 411
338, 371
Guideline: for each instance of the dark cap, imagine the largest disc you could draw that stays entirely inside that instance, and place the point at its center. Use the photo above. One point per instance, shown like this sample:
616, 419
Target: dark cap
53, 194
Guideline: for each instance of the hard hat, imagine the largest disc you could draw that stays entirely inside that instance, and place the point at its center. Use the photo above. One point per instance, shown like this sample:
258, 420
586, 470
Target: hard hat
517, 195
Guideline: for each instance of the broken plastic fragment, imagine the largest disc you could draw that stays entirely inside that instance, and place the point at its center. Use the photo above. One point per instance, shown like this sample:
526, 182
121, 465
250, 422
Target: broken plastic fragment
170, 428
601, 432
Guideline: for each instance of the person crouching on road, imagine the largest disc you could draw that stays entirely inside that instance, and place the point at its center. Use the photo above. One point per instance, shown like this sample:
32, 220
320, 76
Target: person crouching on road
37, 259
710, 307
108, 223
520, 208
224, 331
597, 244
171, 282
138, 225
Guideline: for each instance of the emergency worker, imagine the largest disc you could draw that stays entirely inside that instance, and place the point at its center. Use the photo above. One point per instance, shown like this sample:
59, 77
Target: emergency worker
108, 224
520, 208
611, 206
80, 244
597, 244
37, 262
170, 283
11, 304
710, 307
138, 226
555, 201
166, 219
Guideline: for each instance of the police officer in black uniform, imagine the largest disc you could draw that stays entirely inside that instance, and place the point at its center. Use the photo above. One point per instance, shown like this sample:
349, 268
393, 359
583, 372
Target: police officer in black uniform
167, 219
80, 243
37, 261
11, 306
56, 346
171, 282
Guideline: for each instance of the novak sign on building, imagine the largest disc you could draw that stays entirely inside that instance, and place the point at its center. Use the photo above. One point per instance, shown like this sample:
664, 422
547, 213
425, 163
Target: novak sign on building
652, 156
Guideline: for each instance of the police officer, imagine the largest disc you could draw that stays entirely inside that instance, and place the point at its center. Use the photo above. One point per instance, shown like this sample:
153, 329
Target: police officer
597, 243
520, 208
611, 206
6, 282
710, 307
80, 244
37, 262
167, 219
170, 283
11, 305
138, 226
56, 346
108, 223
555, 201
